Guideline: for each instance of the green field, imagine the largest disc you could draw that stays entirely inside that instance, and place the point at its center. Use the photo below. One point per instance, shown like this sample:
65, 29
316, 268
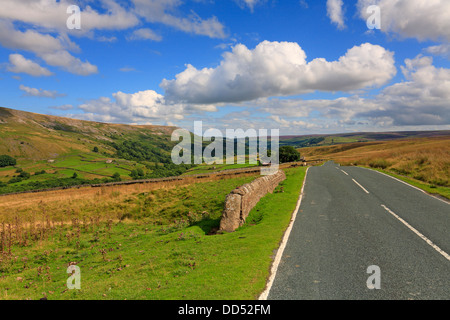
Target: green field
161, 252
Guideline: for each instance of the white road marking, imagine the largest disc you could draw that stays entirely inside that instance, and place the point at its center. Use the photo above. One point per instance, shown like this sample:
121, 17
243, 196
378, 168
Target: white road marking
410, 185
435, 247
344, 172
360, 186
277, 260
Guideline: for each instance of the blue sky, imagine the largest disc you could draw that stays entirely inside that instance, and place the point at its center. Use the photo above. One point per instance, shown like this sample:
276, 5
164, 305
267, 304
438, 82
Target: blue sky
301, 66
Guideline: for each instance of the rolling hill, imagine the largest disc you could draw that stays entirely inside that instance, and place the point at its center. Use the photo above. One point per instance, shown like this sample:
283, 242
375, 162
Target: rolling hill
56, 148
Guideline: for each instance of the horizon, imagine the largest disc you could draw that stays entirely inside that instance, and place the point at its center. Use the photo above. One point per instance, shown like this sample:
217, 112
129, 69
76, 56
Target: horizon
281, 136
303, 67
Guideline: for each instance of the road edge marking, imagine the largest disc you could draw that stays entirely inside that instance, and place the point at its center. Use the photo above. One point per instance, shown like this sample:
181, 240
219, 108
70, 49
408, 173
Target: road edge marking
276, 262
435, 247
408, 184
361, 186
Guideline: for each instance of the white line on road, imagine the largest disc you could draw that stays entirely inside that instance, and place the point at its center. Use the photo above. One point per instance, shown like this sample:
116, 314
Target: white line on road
344, 172
435, 247
360, 186
280, 251
410, 185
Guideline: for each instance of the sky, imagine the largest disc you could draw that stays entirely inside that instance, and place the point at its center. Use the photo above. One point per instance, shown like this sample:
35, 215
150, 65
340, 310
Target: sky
301, 66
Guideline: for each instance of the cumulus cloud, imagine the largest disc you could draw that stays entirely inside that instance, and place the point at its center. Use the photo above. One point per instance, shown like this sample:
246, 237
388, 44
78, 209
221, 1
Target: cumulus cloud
423, 20
335, 12
33, 92
420, 100
139, 107
279, 69
19, 64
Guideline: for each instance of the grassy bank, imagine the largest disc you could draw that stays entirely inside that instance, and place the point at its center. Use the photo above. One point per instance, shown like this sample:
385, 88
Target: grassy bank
164, 253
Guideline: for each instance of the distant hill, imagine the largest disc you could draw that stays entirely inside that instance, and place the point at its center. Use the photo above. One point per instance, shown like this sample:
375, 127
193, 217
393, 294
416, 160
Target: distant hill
425, 159
336, 139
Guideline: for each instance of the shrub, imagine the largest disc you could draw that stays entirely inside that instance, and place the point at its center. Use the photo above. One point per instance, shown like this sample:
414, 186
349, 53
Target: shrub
6, 160
24, 175
289, 154
116, 177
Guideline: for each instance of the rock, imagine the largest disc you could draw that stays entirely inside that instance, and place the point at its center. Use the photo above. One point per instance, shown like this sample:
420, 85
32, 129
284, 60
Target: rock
232, 213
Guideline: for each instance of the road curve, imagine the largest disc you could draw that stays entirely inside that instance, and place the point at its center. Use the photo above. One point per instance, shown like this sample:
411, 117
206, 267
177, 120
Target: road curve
352, 218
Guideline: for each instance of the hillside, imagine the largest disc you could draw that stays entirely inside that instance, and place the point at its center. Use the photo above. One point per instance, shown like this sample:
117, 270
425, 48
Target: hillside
56, 148
32, 136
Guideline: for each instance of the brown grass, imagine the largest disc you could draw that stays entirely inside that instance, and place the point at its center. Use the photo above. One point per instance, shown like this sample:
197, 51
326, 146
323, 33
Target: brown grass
60, 203
425, 159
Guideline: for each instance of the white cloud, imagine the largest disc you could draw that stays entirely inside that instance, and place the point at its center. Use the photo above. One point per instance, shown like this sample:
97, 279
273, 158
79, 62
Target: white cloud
54, 51
335, 12
421, 100
144, 34
69, 63
248, 3
52, 14
164, 11
19, 64
279, 69
420, 19
33, 92
289, 124
139, 107
127, 69
440, 50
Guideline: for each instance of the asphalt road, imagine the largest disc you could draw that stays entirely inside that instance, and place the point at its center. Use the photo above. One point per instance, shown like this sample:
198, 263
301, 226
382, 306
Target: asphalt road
352, 218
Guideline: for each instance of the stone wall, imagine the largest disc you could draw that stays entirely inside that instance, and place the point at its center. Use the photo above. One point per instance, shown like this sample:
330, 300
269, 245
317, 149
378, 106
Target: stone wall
241, 200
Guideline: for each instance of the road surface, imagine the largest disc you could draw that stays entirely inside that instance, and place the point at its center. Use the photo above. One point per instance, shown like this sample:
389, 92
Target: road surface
352, 218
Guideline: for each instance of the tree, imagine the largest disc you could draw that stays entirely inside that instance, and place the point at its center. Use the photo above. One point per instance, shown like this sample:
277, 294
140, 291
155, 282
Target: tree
24, 175
95, 149
289, 154
6, 160
75, 175
116, 176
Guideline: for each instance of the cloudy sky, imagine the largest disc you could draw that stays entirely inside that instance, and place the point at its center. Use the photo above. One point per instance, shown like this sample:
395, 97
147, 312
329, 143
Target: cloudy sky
303, 66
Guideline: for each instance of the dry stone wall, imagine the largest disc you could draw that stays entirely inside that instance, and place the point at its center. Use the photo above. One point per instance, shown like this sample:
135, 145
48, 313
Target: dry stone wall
241, 201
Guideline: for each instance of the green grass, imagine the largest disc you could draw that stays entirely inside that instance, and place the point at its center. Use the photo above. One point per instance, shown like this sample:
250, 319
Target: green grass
432, 189
166, 261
